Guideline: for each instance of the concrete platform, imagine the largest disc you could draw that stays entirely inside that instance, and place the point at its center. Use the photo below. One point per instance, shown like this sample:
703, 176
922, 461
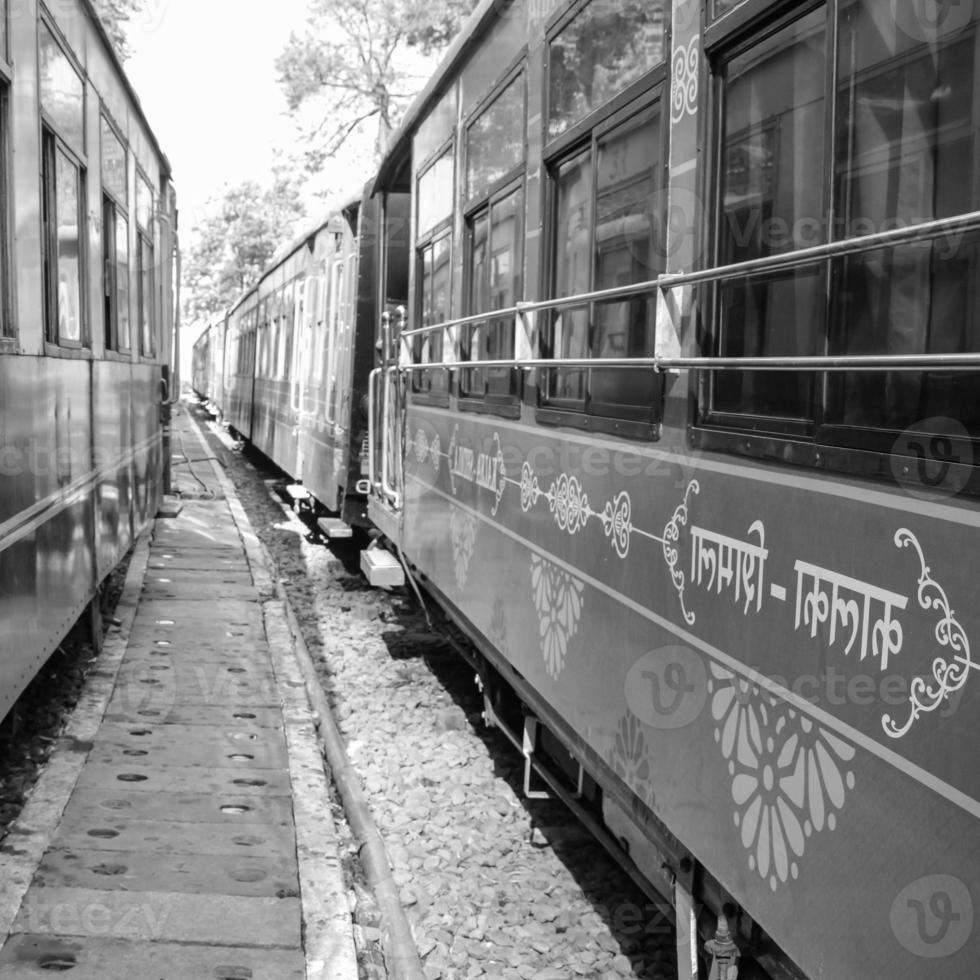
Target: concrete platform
172, 834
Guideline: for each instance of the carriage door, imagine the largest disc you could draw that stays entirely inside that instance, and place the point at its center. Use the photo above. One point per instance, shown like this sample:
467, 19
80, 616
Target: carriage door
302, 356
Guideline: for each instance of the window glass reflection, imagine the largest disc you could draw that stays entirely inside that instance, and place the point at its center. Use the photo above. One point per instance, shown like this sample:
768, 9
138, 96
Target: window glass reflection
435, 197
495, 141
608, 45
62, 90
772, 202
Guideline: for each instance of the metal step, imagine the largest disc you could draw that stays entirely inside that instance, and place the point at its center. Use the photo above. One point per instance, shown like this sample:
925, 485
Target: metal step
297, 491
334, 527
381, 568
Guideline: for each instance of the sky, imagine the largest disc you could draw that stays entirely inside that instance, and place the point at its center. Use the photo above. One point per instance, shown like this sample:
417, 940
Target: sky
204, 72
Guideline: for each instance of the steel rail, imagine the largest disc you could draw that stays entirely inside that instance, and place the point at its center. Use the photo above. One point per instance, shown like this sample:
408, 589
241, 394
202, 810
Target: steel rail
767, 263
856, 362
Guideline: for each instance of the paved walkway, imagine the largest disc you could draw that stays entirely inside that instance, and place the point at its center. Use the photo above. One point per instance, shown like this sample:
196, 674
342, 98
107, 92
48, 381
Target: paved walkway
181, 829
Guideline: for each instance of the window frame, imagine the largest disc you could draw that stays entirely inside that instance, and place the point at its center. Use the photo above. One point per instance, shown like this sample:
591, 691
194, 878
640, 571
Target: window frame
860, 450
51, 145
114, 208
146, 298
8, 305
422, 390
647, 95
513, 180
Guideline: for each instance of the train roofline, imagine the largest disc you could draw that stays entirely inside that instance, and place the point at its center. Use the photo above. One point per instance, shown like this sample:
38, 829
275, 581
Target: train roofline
302, 240
166, 169
476, 26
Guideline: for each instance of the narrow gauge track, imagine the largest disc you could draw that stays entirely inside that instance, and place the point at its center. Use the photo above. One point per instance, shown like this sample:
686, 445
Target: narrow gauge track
494, 885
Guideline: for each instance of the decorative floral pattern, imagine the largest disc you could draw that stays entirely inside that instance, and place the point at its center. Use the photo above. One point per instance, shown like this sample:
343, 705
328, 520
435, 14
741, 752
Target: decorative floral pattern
497, 631
423, 448
789, 776
672, 534
630, 757
569, 505
685, 66
462, 533
558, 600
949, 675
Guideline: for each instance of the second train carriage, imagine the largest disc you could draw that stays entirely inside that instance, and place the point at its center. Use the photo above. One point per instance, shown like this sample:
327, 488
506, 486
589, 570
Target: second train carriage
87, 238
289, 364
681, 429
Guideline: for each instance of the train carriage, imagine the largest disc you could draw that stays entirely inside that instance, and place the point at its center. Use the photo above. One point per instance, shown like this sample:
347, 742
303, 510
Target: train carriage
87, 237
296, 360
681, 429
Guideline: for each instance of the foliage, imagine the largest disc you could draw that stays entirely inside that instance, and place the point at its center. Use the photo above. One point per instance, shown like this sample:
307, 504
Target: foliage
235, 242
361, 60
115, 15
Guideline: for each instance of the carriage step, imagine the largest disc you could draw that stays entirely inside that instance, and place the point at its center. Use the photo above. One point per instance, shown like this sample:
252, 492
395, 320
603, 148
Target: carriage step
381, 568
297, 492
334, 527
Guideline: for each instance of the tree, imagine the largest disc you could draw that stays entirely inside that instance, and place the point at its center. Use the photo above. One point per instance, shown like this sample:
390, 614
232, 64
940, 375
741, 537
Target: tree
115, 15
361, 60
235, 242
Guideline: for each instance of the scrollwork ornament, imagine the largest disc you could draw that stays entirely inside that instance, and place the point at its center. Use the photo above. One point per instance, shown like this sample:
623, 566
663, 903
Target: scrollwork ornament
501, 475
685, 65
672, 533
452, 453
949, 675
435, 453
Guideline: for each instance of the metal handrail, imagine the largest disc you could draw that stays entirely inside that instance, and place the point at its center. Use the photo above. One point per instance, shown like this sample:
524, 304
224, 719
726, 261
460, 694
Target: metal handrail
768, 263
391, 492
856, 362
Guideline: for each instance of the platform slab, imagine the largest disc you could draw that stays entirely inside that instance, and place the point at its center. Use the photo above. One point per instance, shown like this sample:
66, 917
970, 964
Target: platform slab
94, 805
175, 779
171, 837
107, 959
219, 920
198, 873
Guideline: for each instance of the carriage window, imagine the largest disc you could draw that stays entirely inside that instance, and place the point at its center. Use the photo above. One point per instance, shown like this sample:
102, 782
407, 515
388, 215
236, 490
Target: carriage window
607, 45
62, 184
495, 140
606, 235
495, 274
6, 307
907, 152
115, 240
772, 201
435, 196
145, 257
904, 151
434, 282
62, 90
115, 277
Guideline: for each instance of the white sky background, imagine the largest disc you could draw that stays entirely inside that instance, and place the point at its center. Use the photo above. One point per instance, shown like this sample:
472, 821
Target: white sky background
204, 72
